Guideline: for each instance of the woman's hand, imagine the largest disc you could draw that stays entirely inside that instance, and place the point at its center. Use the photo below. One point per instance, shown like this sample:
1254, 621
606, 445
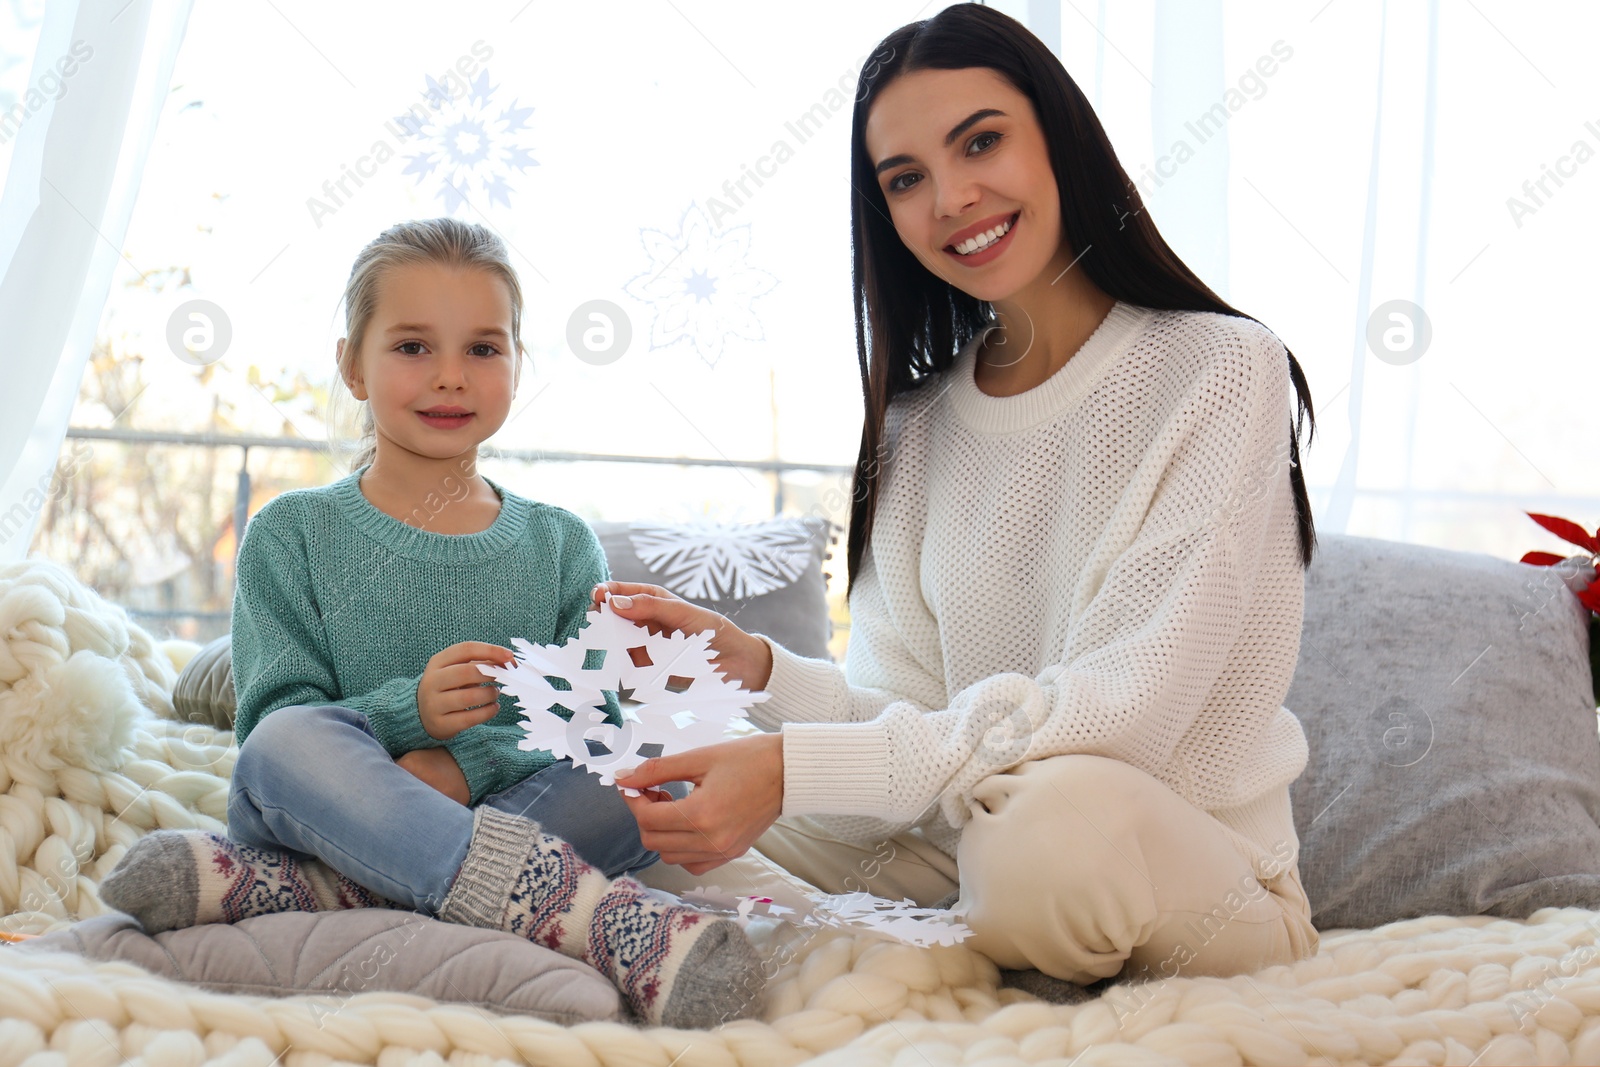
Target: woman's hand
739, 656
738, 793
453, 695
438, 768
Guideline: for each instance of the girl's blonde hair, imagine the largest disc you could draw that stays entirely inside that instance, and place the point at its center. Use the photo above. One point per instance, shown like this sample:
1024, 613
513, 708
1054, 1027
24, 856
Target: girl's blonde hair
443, 241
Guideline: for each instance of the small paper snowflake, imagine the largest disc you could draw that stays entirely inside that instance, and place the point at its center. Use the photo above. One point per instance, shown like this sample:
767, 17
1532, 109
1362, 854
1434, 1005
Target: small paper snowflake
788, 905
682, 701
898, 920
901, 920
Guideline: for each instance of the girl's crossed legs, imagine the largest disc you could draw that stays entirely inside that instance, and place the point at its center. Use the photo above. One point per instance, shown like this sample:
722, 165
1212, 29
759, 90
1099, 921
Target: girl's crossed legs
314, 780
312, 783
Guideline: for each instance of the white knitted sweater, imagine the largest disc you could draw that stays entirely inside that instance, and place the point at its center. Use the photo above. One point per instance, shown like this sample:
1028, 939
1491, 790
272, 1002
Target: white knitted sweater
1106, 563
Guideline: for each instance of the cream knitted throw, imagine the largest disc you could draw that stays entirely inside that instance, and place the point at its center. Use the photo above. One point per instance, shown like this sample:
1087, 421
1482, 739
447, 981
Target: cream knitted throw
1432, 990
1105, 564
90, 759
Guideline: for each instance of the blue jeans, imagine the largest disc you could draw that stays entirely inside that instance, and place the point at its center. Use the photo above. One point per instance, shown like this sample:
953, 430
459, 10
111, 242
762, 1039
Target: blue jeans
315, 781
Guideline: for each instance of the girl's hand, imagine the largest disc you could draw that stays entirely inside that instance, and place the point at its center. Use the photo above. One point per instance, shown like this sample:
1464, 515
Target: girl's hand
739, 656
438, 768
738, 793
453, 695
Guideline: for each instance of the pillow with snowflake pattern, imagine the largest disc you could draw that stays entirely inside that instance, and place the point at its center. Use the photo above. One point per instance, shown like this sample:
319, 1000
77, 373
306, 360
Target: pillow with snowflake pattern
768, 576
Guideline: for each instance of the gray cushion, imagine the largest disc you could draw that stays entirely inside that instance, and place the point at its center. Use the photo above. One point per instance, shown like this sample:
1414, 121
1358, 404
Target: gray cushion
204, 690
767, 577
341, 953
1455, 765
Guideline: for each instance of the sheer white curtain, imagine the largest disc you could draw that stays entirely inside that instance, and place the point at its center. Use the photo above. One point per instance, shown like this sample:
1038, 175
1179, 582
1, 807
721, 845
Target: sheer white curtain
77, 135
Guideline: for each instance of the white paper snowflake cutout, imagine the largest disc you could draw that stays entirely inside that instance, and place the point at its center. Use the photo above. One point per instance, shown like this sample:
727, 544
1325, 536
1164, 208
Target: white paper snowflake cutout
901, 920
898, 920
706, 560
683, 702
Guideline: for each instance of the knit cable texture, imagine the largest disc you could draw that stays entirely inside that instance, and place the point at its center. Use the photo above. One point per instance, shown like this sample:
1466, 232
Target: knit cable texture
1105, 564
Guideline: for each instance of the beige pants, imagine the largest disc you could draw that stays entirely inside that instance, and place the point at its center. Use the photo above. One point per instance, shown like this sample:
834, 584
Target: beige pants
1080, 866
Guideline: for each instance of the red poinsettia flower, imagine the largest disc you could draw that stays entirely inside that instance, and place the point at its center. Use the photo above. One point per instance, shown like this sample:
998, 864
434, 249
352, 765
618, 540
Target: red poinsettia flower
1568, 530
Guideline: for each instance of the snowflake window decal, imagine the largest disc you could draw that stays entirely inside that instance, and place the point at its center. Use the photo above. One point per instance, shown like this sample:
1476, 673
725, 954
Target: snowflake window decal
701, 284
683, 702
471, 142
704, 560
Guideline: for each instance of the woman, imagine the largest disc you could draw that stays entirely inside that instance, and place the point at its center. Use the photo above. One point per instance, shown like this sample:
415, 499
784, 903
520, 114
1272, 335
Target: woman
1077, 549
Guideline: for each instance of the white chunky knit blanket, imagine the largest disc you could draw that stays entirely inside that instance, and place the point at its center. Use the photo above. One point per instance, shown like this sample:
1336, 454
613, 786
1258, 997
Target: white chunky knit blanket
90, 759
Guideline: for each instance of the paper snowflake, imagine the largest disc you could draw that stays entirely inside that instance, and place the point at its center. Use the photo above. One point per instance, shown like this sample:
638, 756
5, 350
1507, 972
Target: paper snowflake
682, 701
901, 920
785, 904
898, 920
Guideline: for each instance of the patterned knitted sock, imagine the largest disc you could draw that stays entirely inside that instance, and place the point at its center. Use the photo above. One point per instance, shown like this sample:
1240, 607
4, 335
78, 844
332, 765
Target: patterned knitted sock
177, 878
676, 966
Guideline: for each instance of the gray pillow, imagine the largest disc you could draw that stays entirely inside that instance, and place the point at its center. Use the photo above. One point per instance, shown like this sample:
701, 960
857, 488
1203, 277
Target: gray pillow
767, 577
338, 954
1455, 764
204, 690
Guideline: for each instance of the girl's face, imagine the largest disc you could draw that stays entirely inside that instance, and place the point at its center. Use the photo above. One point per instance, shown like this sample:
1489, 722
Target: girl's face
959, 153
437, 363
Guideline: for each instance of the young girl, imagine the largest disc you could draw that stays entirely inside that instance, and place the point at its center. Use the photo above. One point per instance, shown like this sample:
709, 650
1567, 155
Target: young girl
1076, 556
369, 739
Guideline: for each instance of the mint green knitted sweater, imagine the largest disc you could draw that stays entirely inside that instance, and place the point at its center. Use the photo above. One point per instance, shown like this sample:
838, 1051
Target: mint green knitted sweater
339, 603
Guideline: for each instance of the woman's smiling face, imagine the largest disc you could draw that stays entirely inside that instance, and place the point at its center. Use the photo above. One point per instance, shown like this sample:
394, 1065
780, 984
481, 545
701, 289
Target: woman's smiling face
959, 153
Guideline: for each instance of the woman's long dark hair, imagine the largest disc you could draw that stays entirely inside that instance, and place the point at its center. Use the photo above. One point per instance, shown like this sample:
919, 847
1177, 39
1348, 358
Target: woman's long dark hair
910, 324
